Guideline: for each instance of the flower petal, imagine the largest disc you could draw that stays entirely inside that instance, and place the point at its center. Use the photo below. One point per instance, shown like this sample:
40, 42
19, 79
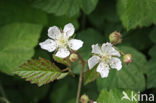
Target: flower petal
115, 63
96, 49
93, 61
108, 49
62, 53
48, 45
54, 32
69, 29
75, 44
103, 69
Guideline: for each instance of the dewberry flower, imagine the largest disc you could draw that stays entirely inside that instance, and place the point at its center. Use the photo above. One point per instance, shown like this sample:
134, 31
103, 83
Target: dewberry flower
106, 57
61, 41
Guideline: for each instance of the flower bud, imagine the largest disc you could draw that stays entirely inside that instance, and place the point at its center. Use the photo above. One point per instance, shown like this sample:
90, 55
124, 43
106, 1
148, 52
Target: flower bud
115, 37
127, 58
73, 57
84, 98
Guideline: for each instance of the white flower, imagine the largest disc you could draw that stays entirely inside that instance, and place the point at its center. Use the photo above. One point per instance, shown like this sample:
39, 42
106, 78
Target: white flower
106, 56
61, 41
95, 102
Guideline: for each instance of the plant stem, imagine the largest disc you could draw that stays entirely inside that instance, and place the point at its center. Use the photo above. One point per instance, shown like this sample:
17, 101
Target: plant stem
2, 91
3, 99
80, 79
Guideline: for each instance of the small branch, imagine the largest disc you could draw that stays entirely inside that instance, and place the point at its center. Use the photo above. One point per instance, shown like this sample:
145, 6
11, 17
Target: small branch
80, 79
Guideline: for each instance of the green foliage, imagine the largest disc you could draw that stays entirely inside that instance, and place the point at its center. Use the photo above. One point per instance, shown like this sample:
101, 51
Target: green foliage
129, 77
114, 96
18, 91
151, 82
25, 23
20, 12
40, 71
136, 13
105, 11
138, 36
65, 7
17, 44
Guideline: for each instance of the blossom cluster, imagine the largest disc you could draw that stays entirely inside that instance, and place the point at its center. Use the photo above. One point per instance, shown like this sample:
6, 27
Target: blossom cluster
61, 41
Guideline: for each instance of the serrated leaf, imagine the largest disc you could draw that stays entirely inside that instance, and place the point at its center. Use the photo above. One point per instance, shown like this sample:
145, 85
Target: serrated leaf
17, 44
90, 76
130, 76
40, 71
115, 96
136, 13
68, 7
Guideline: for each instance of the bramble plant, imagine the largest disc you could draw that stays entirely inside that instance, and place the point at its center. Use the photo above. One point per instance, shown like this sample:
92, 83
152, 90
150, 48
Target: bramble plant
77, 51
65, 49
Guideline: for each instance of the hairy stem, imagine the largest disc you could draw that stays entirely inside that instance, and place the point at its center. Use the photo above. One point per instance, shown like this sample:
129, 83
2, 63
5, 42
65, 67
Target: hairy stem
80, 79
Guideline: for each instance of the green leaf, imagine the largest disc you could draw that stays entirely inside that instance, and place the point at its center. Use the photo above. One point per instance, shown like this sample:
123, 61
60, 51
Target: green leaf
25, 92
62, 7
151, 71
20, 11
115, 96
17, 44
90, 75
130, 76
152, 35
136, 13
39, 71
89, 36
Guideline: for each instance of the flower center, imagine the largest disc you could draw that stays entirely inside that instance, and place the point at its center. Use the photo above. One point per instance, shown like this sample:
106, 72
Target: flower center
106, 58
62, 41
